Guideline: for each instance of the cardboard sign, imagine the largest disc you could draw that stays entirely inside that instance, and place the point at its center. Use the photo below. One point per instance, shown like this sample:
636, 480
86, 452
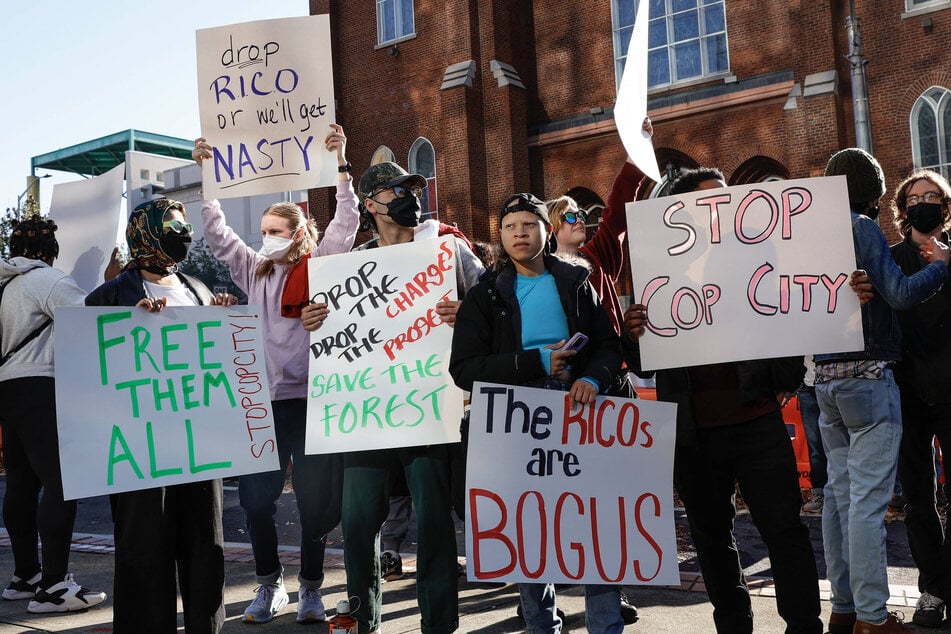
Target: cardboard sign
583, 496
266, 99
745, 272
155, 399
379, 364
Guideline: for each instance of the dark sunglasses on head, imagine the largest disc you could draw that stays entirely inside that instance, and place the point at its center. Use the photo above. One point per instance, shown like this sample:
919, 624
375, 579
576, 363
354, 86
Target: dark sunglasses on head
571, 217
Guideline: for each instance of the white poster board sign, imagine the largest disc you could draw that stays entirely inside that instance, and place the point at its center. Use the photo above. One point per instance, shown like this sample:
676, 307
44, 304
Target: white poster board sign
155, 399
630, 108
745, 272
379, 364
87, 216
582, 496
266, 100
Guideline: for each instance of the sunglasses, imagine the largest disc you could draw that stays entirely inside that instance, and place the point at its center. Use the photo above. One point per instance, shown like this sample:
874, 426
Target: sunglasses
571, 217
178, 226
399, 191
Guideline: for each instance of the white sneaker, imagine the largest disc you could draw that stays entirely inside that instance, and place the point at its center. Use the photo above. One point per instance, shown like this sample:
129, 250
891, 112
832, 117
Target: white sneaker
815, 503
22, 588
270, 600
65, 596
310, 607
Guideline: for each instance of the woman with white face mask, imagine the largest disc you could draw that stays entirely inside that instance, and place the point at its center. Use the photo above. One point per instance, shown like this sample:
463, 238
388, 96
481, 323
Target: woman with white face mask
275, 277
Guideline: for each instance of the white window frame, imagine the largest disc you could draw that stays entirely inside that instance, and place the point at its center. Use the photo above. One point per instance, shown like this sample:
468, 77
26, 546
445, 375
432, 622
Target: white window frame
911, 5
933, 102
620, 56
400, 31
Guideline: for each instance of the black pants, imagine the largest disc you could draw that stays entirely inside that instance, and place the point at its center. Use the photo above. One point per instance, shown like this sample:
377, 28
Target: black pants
31, 458
759, 456
927, 540
156, 531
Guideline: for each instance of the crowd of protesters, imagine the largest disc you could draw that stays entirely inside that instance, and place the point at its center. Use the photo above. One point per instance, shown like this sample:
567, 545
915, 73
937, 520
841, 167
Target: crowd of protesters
869, 415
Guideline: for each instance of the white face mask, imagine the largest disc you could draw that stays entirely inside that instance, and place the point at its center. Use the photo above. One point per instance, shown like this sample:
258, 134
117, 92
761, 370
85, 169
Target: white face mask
275, 247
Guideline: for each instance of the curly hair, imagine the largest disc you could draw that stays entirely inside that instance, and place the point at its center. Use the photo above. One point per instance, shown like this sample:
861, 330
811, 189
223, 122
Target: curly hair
899, 201
294, 215
33, 238
688, 180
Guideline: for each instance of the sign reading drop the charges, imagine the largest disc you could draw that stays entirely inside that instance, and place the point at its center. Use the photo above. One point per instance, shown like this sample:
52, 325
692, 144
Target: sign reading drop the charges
155, 399
569, 495
266, 99
379, 364
745, 272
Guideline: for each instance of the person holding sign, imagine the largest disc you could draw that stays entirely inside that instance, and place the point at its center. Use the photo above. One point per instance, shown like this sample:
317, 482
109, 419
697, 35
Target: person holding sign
730, 432
513, 328
163, 528
922, 210
275, 277
389, 204
860, 409
31, 290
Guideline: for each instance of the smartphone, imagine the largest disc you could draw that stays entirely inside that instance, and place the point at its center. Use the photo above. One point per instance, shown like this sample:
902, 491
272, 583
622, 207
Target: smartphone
577, 342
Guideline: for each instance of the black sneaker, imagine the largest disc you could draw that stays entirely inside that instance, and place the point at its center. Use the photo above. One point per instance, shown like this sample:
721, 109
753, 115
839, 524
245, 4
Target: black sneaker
391, 565
22, 588
628, 611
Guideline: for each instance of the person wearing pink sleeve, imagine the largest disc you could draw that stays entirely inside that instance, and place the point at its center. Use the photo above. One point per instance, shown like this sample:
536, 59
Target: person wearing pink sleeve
275, 277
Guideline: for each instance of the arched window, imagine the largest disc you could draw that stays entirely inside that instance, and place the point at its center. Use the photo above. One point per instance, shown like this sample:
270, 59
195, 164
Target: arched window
422, 161
931, 130
383, 154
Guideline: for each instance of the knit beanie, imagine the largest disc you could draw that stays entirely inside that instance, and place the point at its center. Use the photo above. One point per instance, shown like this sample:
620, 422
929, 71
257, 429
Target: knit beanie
862, 172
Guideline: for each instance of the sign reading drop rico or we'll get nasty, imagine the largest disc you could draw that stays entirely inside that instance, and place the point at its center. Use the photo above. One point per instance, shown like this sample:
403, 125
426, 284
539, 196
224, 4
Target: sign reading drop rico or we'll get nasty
155, 399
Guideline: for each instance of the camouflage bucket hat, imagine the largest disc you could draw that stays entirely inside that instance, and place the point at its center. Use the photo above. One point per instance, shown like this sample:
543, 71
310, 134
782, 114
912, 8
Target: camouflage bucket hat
384, 175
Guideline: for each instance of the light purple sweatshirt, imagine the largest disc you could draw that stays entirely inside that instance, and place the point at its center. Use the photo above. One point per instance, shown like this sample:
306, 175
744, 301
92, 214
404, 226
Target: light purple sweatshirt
285, 340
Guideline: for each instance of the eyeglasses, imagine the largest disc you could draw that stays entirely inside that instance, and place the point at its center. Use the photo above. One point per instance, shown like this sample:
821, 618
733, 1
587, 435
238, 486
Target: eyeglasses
178, 226
399, 191
928, 197
571, 217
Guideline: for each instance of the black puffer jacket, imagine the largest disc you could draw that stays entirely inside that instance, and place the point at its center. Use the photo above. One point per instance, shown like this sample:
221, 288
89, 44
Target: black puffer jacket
487, 339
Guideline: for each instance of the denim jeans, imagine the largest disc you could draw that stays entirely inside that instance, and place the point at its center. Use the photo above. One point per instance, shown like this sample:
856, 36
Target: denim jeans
317, 481
758, 456
929, 543
602, 608
860, 423
809, 408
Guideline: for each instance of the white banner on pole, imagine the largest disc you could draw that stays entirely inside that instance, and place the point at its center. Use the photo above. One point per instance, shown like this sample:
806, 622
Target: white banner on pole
569, 496
155, 399
379, 364
745, 272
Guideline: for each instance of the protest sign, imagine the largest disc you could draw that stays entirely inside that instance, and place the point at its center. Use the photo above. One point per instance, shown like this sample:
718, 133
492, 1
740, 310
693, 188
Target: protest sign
745, 272
630, 108
87, 214
155, 399
569, 496
379, 364
266, 100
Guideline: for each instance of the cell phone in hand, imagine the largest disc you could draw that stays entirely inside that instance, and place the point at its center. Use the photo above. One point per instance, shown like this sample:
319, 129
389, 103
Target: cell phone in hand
577, 342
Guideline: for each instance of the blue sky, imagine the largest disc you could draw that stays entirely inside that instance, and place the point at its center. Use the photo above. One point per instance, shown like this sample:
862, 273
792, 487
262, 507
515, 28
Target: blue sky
77, 71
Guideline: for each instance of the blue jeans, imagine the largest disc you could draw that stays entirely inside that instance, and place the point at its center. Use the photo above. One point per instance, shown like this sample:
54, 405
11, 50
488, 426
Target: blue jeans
602, 608
861, 430
809, 408
318, 488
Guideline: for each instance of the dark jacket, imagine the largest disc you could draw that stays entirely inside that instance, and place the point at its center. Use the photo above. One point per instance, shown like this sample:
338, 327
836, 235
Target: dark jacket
757, 379
487, 338
127, 289
924, 371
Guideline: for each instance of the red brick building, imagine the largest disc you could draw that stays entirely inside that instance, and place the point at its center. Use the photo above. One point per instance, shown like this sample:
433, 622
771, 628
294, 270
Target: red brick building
492, 97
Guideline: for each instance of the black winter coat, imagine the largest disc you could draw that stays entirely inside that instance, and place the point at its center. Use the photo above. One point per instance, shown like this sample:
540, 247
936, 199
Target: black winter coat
487, 338
126, 289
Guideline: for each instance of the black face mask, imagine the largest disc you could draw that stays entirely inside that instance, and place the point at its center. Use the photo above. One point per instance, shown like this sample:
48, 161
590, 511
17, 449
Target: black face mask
925, 217
871, 212
404, 211
176, 245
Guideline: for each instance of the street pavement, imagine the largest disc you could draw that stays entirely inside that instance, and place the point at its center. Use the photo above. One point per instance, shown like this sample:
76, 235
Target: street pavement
484, 609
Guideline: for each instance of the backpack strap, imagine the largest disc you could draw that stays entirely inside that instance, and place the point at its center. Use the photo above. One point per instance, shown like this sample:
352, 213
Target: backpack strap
30, 337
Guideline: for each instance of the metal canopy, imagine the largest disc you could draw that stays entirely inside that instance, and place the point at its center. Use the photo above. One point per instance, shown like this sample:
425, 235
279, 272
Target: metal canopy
92, 158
